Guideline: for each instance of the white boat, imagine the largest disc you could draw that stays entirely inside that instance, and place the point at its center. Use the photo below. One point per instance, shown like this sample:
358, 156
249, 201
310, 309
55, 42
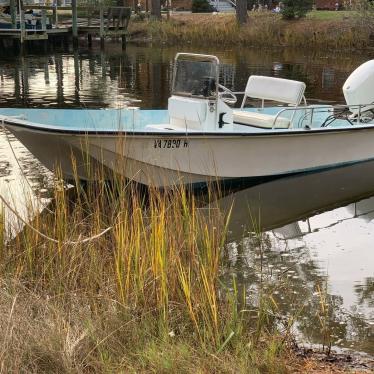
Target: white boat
201, 137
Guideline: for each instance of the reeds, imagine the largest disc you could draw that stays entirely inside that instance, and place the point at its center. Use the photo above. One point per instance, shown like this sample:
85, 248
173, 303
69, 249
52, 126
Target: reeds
263, 29
144, 296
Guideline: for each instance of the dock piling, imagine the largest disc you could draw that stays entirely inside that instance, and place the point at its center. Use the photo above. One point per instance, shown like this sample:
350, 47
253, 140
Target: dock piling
111, 22
55, 16
101, 27
22, 26
13, 13
89, 40
44, 20
74, 21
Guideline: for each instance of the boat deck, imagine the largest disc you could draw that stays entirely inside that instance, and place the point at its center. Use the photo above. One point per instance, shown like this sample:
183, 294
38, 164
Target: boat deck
125, 120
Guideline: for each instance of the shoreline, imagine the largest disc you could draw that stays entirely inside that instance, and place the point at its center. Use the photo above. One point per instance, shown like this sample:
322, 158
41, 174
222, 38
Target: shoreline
267, 30
316, 361
98, 305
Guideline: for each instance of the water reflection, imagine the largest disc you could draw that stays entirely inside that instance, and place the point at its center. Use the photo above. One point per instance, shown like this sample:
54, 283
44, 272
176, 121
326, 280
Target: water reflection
316, 253
142, 76
91, 79
23, 181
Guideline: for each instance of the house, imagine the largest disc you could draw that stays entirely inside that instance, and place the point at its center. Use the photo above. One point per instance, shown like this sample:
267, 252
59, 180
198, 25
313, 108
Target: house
328, 4
174, 4
181, 4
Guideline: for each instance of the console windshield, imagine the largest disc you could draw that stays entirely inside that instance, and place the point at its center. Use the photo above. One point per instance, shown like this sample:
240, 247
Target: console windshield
197, 78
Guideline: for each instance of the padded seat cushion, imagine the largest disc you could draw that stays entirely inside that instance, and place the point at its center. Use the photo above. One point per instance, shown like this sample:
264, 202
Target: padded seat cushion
261, 120
276, 89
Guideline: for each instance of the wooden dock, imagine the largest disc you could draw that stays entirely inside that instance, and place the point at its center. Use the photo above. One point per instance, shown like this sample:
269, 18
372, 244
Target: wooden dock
99, 21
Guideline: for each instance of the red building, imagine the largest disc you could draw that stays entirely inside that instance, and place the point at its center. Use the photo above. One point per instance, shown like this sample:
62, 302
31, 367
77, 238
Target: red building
328, 4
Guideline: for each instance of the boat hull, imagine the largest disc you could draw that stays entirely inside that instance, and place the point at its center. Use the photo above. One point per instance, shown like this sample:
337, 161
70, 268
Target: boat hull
162, 159
57, 154
152, 160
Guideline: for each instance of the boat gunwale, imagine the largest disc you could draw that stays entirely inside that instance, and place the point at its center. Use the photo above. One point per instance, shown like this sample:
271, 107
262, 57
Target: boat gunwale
279, 132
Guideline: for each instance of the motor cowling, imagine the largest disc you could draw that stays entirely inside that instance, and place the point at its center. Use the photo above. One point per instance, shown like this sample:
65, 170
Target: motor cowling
358, 89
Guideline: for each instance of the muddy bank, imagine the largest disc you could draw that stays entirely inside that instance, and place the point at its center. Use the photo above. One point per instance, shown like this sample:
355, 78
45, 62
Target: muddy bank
315, 361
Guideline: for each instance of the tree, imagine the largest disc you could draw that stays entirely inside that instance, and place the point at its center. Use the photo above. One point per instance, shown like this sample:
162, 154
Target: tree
201, 6
156, 9
241, 11
296, 8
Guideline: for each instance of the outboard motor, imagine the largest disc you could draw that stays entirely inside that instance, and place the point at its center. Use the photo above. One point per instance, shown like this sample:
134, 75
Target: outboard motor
358, 89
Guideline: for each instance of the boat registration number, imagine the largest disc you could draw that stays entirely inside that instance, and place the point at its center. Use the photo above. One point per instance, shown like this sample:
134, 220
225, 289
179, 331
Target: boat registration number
170, 143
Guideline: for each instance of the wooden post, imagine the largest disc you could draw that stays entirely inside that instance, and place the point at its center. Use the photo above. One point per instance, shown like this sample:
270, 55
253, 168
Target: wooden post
13, 13
60, 79
123, 42
76, 73
156, 9
16, 45
25, 78
44, 28
44, 20
55, 16
46, 73
75, 22
22, 26
89, 16
101, 27
241, 11
65, 41
89, 21
17, 83
103, 65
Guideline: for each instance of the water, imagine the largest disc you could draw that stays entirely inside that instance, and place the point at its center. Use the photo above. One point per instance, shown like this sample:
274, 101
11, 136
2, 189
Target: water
317, 246
318, 240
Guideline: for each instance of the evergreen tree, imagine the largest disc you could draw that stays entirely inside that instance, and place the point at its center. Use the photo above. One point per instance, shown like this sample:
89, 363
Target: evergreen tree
296, 8
201, 6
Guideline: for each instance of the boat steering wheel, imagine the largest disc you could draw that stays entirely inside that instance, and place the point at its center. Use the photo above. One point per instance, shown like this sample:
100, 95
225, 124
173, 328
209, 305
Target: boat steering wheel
226, 95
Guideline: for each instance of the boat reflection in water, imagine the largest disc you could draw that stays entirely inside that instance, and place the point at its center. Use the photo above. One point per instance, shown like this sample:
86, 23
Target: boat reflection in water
280, 202
316, 241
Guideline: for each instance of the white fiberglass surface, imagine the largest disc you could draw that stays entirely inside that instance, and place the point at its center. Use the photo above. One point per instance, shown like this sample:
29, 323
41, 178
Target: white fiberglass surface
134, 119
312, 116
89, 119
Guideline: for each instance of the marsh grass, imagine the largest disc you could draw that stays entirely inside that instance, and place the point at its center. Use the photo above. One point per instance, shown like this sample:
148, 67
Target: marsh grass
263, 29
144, 297
324, 317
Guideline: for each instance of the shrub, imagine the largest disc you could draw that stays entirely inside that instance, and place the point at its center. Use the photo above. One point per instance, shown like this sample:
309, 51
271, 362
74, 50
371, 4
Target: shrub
295, 8
201, 6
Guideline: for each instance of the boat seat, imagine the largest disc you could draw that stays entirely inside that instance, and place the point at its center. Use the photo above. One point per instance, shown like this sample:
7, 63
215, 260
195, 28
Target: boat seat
285, 91
261, 120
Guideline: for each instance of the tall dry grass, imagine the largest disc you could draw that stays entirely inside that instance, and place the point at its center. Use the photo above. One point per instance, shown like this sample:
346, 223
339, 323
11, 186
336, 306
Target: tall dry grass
263, 29
144, 297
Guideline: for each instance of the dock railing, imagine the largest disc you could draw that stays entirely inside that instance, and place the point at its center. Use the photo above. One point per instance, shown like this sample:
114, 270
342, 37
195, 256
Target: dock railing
101, 20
